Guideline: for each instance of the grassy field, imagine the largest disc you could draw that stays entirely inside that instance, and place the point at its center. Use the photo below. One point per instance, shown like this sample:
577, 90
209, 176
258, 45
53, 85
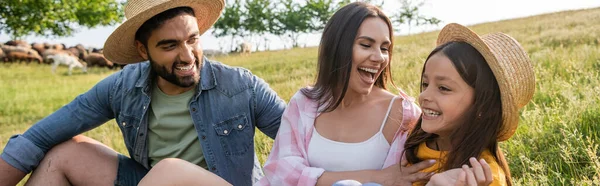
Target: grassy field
557, 142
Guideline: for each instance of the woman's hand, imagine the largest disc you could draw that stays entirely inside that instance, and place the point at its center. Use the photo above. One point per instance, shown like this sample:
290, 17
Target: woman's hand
478, 175
401, 174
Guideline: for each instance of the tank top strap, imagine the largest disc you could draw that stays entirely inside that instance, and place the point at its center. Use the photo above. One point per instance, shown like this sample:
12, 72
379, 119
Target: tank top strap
387, 113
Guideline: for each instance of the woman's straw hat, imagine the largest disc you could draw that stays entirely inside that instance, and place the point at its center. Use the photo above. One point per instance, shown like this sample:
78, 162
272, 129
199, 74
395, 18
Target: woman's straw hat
120, 45
509, 63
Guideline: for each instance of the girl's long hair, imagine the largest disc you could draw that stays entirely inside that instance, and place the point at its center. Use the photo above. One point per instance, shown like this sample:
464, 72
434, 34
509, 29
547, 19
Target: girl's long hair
482, 120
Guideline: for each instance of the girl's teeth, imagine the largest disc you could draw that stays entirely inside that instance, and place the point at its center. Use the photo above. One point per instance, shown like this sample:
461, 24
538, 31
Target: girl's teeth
431, 112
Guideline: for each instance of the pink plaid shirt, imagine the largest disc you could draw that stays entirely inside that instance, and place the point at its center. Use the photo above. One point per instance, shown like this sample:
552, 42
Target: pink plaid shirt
287, 164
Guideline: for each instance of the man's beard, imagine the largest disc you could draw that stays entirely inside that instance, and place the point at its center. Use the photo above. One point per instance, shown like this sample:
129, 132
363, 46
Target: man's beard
171, 77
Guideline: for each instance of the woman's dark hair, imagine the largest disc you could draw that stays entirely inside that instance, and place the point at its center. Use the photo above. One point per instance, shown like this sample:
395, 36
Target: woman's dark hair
143, 33
335, 54
482, 120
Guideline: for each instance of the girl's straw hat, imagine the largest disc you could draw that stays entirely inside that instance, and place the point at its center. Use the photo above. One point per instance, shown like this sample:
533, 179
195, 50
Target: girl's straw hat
509, 63
120, 45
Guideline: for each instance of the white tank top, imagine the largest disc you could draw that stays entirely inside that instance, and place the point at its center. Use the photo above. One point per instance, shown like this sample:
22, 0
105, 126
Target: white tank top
337, 156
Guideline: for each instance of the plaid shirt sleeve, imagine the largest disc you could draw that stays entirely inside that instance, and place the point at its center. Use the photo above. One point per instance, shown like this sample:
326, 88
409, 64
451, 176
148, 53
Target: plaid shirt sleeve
287, 163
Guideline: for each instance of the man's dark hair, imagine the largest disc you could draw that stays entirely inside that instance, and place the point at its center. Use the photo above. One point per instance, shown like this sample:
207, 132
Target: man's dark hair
143, 33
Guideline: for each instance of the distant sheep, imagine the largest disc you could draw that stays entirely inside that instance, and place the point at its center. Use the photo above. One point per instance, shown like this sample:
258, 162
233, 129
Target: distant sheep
32, 55
17, 56
2, 55
96, 59
20, 43
50, 52
245, 48
78, 51
39, 47
67, 60
59, 47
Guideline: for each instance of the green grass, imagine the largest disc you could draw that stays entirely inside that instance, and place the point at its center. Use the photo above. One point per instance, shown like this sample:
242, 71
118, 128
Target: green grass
556, 142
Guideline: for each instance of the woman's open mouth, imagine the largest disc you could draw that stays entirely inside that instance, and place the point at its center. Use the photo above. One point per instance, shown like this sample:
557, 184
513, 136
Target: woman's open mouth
367, 74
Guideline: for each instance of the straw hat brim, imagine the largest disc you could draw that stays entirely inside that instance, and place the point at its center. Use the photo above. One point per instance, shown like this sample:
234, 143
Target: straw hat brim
120, 46
510, 64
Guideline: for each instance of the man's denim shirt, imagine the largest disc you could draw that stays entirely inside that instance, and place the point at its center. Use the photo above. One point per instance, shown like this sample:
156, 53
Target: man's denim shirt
228, 104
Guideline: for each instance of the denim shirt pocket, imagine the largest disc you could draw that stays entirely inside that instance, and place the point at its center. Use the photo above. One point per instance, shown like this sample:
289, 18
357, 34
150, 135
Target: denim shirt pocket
128, 124
235, 135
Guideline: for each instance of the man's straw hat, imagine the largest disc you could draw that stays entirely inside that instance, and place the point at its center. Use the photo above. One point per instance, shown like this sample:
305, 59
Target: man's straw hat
120, 45
509, 63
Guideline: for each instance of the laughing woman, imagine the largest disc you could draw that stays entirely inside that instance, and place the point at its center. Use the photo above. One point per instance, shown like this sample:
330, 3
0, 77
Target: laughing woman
348, 125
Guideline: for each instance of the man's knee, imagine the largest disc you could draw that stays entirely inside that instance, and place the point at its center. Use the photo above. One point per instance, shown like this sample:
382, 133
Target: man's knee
69, 147
72, 159
75, 149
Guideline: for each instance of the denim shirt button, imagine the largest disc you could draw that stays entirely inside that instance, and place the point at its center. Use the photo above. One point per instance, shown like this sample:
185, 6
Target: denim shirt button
141, 134
144, 107
225, 132
203, 137
214, 168
193, 109
123, 123
239, 126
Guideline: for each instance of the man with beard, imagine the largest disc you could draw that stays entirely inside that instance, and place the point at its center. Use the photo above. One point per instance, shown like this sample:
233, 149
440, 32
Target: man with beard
175, 104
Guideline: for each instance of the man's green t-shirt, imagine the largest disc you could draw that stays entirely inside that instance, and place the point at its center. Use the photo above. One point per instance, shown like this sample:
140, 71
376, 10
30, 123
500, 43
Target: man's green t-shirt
171, 132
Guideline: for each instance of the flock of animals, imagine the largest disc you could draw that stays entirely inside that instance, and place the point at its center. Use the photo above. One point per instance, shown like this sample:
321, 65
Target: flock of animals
18, 51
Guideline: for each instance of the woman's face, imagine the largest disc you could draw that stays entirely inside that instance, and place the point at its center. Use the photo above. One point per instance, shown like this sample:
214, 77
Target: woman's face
370, 55
445, 96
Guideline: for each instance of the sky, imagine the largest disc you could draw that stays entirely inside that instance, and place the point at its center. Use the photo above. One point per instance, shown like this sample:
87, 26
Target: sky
466, 12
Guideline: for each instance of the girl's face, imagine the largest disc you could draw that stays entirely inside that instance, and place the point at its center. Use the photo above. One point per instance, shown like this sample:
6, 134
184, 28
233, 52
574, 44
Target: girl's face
370, 55
445, 96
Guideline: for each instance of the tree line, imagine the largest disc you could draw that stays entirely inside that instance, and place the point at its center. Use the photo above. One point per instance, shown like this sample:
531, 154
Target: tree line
241, 19
288, 19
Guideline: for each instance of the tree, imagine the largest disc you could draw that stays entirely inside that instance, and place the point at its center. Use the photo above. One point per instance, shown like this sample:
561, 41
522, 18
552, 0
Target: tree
320, 11
259, 14
20, 18
292, 20
409, 14
378, 3
230, 23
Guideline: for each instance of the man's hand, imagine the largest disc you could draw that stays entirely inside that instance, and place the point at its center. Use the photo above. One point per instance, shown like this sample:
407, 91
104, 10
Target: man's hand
401, 174
480, 174
9, 176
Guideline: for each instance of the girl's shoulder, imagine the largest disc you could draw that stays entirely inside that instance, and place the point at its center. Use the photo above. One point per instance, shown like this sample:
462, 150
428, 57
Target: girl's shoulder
497, 171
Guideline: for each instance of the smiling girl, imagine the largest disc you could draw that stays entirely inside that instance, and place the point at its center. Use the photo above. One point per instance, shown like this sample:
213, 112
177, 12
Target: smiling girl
472, 88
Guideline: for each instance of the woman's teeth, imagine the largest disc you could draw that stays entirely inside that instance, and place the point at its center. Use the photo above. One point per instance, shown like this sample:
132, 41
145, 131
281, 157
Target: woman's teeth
369, 70
430, 112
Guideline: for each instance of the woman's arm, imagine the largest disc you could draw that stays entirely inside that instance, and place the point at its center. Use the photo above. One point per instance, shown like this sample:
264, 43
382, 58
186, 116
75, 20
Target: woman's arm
393, 175
287, 163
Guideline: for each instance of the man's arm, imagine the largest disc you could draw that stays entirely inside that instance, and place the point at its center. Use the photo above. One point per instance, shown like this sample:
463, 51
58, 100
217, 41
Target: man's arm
9, 174
87, 111
269, 107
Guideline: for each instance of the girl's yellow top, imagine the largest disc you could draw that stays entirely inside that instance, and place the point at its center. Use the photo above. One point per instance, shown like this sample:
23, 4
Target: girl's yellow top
424, 152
